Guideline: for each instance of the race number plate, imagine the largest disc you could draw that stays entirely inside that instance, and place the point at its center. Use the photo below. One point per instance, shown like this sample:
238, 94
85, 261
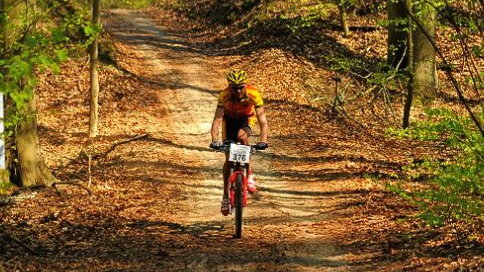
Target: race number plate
239, 153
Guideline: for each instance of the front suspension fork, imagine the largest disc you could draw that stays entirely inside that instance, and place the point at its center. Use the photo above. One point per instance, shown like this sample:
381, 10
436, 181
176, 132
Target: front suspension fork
231, 184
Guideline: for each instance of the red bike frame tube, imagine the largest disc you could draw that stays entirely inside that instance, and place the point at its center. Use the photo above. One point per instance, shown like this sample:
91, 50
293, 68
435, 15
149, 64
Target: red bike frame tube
232, 179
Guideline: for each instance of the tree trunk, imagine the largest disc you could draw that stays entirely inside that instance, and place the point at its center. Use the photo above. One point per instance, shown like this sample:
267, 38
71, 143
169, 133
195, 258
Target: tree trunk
344, 20
24, 163
397, 53
4, 174
30, 171
422, 52
3, 28
410, 88
424, 71
93, 120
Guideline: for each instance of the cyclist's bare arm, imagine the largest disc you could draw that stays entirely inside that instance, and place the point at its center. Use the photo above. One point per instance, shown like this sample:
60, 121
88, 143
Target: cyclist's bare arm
217, 123
262, 120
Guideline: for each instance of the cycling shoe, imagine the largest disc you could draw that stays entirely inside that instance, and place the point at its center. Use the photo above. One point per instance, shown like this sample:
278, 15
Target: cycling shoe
225, 209
251, 186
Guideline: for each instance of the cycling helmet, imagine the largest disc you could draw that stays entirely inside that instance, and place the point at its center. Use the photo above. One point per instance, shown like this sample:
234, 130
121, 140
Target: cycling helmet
237, 76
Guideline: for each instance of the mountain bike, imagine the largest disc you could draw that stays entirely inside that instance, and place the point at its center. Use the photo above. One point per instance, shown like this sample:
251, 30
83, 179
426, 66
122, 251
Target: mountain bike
239, 157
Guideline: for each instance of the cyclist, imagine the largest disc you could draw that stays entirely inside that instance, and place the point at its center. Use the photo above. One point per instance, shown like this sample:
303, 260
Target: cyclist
239, 106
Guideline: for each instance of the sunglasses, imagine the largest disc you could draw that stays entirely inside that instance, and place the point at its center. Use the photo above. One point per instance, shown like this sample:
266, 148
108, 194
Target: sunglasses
237, 87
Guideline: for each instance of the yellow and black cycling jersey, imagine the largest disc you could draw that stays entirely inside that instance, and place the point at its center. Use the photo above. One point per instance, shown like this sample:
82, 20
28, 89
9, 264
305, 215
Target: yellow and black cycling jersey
241, 109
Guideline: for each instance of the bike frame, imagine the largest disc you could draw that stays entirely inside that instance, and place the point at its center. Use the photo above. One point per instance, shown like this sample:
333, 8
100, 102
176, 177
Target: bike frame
238, 169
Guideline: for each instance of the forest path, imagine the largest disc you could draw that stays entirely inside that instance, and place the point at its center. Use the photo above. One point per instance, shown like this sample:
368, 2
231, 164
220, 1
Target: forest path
275, 236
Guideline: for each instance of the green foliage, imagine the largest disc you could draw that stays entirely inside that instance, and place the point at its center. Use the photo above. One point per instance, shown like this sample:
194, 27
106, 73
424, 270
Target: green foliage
350, 64
465, 14
18, 78
33, 40
308, 17
455, 188
295, 17
346, 3
92, 32
4, 184
373, 74
131, 4
36, 49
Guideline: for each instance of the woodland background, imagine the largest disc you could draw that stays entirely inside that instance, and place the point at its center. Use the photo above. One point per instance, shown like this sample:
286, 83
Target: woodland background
399, 72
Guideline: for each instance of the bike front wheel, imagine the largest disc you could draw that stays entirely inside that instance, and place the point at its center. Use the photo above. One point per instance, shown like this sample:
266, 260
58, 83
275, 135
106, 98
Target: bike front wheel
239, 189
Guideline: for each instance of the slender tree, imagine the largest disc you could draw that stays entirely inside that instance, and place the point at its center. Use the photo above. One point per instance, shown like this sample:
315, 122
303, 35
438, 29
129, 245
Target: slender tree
94, 116
4, 175
343, 13
409, 59
397, 53
2, 23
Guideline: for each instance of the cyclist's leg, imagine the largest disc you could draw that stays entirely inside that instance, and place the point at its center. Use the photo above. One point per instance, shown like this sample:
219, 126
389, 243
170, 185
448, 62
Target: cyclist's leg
243, 137
229, 132
225, 209
226, 173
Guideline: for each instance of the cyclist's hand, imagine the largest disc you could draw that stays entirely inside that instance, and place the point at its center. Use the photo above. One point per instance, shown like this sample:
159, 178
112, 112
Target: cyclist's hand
216, 144
261, 145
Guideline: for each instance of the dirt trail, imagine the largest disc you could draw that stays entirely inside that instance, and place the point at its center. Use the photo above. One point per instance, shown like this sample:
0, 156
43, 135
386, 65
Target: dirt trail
274, 233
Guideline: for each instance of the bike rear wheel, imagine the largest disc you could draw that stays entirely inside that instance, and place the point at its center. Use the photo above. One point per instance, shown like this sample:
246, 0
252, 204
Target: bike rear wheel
239, 188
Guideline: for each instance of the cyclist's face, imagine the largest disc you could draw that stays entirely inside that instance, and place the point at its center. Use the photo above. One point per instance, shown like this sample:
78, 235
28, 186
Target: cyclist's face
238, 90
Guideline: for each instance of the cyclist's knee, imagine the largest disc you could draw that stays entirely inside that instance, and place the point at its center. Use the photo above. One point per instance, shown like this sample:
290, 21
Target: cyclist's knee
243, 137
227, 165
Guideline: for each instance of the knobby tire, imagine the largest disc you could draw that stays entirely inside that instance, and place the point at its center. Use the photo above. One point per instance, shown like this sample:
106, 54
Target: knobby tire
239, 185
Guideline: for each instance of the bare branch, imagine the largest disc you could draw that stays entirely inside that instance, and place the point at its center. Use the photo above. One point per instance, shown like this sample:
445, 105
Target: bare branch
54, 185
113, 147
448, 72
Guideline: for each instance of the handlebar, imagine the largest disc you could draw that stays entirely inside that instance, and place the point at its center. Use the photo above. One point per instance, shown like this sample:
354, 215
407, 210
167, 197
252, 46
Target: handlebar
226, 148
